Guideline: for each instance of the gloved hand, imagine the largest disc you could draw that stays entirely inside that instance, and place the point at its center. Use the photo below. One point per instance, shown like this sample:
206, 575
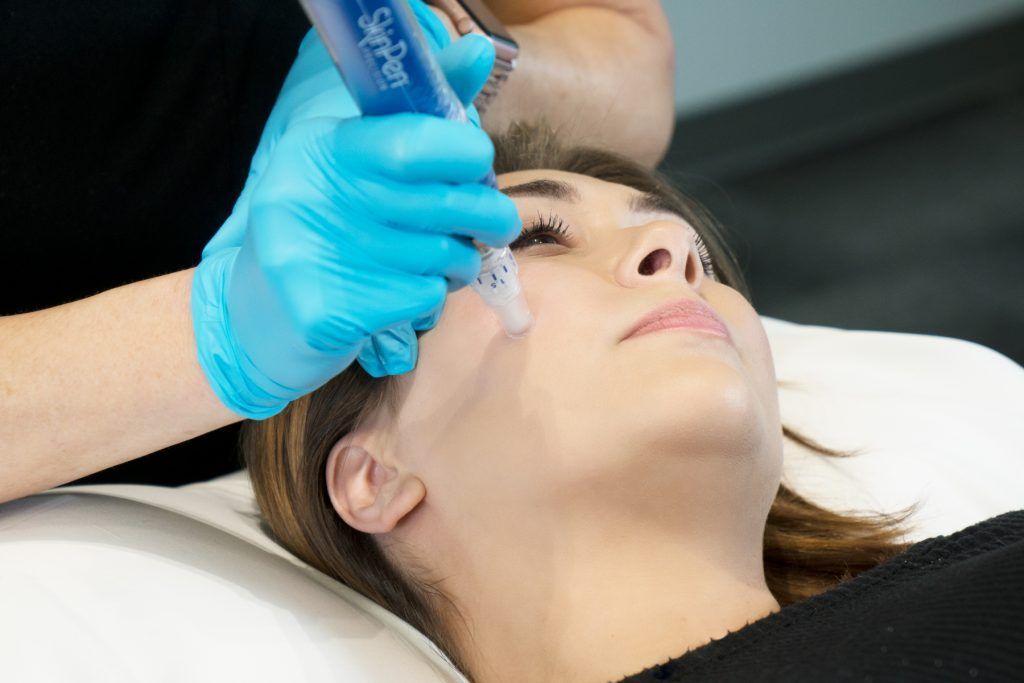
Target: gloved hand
314, 88
261, 351
356, 226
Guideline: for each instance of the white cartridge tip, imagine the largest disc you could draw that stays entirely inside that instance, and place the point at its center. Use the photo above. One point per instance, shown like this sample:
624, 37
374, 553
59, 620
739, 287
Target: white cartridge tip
515, 317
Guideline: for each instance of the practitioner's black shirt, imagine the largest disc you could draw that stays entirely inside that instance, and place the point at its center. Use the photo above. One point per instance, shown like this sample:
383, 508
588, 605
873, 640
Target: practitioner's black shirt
126, 131
950, 608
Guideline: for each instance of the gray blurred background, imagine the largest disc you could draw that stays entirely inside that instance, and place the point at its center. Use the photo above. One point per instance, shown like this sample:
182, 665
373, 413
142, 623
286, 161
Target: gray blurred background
867, 157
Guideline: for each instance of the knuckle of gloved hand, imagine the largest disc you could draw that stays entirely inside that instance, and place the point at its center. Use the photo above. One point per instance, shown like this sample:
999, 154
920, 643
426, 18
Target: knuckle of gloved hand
435, 290
279, 239
448, 203
406, 142
471, 201
303, 133
278, 261
311, 321
284, 260
271, 200
430, 145
313, 139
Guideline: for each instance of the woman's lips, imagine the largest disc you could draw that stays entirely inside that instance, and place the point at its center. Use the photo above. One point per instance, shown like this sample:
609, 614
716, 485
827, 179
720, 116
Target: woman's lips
690, 314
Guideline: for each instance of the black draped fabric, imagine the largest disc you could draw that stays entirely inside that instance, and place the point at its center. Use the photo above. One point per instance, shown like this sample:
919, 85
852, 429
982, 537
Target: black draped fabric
950, 608
126, 130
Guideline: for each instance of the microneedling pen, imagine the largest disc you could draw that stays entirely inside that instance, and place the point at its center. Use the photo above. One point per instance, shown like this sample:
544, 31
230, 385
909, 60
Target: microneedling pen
387, 66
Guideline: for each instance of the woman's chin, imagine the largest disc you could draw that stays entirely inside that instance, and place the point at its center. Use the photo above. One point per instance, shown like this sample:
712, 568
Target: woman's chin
700, 402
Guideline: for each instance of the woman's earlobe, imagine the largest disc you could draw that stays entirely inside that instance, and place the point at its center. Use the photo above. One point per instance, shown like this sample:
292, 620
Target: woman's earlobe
367, 494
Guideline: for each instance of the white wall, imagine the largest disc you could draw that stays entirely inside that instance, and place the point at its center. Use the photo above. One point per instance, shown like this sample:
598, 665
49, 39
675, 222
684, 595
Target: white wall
731, 49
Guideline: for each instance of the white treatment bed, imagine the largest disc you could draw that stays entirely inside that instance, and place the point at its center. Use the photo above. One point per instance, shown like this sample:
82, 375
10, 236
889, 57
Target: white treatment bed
142, 583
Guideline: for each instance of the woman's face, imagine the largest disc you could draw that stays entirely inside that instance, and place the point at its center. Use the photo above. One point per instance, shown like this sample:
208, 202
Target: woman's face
576, 417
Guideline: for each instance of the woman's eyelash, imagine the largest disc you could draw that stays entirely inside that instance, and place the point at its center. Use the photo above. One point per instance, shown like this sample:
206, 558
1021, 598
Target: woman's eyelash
551, 224
705, 256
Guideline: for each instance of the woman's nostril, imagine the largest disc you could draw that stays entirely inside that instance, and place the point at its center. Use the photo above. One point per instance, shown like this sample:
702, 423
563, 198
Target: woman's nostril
655, 261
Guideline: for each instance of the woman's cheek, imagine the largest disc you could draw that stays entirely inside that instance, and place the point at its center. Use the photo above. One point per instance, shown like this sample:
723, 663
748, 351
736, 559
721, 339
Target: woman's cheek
465, 317
749, 337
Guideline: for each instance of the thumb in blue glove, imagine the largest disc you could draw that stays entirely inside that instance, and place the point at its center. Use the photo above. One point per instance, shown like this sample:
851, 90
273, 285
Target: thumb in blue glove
467, 63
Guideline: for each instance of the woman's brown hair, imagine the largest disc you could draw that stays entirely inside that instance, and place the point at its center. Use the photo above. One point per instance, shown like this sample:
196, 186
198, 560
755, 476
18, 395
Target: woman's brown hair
807, 549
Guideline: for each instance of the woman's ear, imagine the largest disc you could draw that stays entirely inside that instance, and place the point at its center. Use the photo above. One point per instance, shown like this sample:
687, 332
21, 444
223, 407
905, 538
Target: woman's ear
366, 493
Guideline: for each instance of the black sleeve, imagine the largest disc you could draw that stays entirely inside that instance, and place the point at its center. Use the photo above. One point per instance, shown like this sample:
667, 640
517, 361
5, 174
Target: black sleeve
126, 130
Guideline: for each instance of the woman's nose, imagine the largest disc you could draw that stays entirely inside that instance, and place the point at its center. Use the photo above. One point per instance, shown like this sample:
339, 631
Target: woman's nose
660, 250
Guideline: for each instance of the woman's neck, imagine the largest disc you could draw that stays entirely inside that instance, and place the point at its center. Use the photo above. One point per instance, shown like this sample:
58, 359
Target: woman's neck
597, 600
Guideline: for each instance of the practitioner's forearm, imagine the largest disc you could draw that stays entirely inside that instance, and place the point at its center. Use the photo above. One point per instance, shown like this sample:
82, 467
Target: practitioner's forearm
100, 381
598, 76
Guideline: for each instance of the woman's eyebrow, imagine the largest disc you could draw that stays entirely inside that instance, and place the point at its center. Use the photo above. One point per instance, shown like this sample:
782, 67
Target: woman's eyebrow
567, 192
551, 189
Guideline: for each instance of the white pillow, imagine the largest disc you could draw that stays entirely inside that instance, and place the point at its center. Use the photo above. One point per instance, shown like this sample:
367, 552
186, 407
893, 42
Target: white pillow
935, 420
145, 583
99, 588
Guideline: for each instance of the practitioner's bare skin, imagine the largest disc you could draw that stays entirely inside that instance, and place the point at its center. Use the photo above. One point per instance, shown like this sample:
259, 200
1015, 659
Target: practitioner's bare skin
609, 64
94, 383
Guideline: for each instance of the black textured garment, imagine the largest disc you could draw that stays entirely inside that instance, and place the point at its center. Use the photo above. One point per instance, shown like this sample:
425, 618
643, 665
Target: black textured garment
950, 608
126, 131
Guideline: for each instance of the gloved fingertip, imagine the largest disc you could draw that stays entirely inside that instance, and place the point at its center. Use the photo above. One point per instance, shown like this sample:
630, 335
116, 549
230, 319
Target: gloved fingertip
402, 368
515, 230
428, 321
467, 64
507, 224
369, 358
372, 366
480, 46
401, 364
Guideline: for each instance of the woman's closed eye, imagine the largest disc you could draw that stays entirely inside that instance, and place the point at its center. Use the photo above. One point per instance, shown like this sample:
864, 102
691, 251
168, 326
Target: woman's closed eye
551, 226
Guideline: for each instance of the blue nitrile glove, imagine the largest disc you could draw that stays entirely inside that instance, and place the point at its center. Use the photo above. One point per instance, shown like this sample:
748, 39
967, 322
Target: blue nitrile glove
356, 226
466, 64
314, 88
